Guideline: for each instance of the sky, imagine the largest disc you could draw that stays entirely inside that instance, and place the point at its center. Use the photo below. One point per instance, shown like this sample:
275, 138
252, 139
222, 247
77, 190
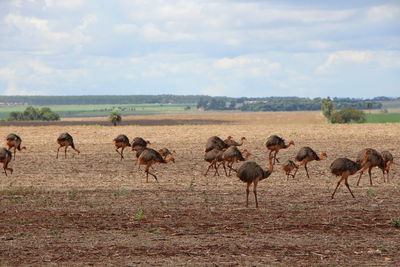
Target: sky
236, 48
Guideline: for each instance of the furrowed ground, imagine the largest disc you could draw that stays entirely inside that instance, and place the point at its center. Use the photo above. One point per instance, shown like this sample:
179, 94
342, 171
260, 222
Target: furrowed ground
94, 209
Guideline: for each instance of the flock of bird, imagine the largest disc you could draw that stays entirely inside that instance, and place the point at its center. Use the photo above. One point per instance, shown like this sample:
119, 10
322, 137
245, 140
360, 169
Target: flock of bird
226, 153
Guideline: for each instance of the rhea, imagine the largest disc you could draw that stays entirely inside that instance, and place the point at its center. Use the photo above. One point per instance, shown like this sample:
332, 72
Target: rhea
14, 141
66, 140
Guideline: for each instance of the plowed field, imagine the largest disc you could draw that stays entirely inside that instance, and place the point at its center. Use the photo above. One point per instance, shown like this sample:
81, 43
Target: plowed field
94, 209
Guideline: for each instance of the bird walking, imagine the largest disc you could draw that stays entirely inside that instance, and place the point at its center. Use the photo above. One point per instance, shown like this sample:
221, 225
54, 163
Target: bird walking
387, 161
164, 152
252, 173
230, 142
148, 157
213, 157
288, 167
5, 157
14, 141
274, 144
233, 155
138, 143
215, 142
66, 140
306, 155
374, 160
345, 167
121, 141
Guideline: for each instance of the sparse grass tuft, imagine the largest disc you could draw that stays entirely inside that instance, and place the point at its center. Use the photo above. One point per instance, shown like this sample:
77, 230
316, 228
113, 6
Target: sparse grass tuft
301, 207
139, 215
211, 231
395, 222
19, 191
72, 194
383, 249
54, 232
155, 231
371, 192
250, 228
118, 193
192, 184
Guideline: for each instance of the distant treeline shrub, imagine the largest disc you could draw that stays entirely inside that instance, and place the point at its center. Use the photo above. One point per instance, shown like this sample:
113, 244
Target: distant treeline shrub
34, 114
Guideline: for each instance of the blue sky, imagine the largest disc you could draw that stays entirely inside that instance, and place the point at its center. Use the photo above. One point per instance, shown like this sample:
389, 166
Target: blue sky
219, 48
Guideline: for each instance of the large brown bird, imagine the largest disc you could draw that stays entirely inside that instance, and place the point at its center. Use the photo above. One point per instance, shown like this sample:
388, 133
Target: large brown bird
388, 161
149, 157
233, 155
275, 143
345, 167
121, 141
213, 157
164, 152
305, 155
138, 143
288, 167
66, 140
230, 142
251, 173
214, 142
5, 157
374, 160
14, 141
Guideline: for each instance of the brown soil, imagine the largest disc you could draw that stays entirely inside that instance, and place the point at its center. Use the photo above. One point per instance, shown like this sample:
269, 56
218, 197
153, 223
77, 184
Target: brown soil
94, 209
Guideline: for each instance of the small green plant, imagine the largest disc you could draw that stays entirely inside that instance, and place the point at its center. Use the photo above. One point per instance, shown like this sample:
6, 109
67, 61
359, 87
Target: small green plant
155, 231
192, 184
211, 231
54, 232
72, 194
301, 207
383, 249
250, 228
118, 193
395, 222
371, 192
139, 215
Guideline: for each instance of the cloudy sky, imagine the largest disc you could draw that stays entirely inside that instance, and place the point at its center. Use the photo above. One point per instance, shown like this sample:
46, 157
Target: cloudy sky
345, 48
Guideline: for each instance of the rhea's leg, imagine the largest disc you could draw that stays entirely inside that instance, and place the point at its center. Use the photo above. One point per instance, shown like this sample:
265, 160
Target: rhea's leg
338, 183
370, 177
255, 191
247, 194
348, 187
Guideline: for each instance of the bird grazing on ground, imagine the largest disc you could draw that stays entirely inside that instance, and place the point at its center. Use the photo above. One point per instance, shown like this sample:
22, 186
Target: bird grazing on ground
5, 157
345, 167
230, 142
149, 157
138, 143
275, 143
164, 152
305, 155
121, 141
14, 141
288, 167
66, 140
374, 160
232, 155
388, 161
215, 142
251, 173
213, 157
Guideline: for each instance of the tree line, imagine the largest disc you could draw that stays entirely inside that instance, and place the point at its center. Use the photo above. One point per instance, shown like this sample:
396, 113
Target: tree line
206, 102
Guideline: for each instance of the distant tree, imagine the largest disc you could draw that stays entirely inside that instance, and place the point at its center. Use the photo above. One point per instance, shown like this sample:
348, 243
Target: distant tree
202, 103
115, 117
327, 107
348, 115
32, 114
187, 108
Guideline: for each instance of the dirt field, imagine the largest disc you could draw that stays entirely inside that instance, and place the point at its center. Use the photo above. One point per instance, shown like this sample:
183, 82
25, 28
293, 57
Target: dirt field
93, 209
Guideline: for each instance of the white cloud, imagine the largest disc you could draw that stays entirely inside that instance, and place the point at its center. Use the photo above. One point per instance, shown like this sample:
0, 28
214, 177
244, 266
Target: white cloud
382, 13
385, 59
13, 89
